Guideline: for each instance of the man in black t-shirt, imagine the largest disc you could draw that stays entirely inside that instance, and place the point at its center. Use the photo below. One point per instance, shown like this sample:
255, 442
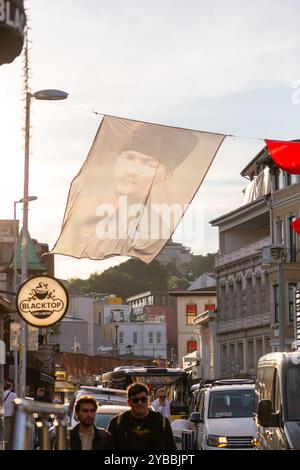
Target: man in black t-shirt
141, 428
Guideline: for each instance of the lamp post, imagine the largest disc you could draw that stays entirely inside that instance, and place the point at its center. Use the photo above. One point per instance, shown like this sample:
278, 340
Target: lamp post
15, 282
39, 95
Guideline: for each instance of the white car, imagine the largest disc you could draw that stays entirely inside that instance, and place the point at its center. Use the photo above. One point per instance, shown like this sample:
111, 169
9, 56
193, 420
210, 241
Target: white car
103, 396
224, 417
106, 412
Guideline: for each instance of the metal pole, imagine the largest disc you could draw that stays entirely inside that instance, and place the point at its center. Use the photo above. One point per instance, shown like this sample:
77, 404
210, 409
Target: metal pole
16, 381
24, 271
281, 313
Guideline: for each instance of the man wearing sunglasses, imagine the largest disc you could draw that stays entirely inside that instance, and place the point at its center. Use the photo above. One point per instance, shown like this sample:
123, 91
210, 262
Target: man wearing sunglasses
141, 428
162, 404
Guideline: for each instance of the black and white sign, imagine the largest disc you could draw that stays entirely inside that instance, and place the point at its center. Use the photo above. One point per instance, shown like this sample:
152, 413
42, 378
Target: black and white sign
12, 26
42, 301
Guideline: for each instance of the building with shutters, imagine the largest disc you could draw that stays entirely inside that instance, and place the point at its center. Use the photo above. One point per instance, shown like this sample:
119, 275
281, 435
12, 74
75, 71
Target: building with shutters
249, 284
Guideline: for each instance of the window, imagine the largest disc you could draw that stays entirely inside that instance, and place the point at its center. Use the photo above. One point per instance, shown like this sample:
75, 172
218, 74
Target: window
191, 313
250, 355
223, 356
158, 337
231, 350
150, 336
121, 337
258, 295
201, 405
292, 287
210, 307
231, 403
240, 348
191, 346
276, 398
135, 337
294, 179
239, 289
278, 180
259, 349
249, 295
279, 232
292, 237
276, 302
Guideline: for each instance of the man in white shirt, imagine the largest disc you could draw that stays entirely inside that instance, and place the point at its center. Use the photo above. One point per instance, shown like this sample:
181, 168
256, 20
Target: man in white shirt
8, 402
161, 404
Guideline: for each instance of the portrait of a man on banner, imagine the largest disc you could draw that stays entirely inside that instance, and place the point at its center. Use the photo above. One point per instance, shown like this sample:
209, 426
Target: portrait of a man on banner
133, 189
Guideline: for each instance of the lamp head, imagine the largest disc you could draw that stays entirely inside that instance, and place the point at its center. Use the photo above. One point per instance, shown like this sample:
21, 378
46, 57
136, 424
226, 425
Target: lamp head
50, 95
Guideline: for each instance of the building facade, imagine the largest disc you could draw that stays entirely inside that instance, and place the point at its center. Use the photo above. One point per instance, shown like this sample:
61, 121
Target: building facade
189, 305
175, 253
158, 306
251, 282
80, 330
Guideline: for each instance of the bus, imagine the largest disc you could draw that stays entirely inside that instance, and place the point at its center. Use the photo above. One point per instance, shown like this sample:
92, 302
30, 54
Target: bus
175, 381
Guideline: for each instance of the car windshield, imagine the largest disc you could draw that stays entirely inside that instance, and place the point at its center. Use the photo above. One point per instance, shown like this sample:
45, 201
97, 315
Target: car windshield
293, 391
102, 420
231, 404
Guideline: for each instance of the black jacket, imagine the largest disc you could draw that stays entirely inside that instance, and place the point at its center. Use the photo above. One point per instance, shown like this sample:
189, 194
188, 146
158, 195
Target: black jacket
151, 433
102, 439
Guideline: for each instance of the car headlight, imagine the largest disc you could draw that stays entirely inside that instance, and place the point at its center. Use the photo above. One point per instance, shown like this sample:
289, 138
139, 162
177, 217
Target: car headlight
255, 442
217, 441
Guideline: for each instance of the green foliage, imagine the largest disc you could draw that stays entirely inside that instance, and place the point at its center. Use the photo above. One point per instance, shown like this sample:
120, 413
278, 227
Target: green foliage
129, 278
201, 264
135, 276
176, 282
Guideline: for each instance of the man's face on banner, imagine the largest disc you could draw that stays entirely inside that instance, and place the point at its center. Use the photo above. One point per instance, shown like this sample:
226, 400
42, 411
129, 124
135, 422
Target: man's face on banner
134, 173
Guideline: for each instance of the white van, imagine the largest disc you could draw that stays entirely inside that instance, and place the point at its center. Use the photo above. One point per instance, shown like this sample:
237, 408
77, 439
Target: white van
278, 390
224, 418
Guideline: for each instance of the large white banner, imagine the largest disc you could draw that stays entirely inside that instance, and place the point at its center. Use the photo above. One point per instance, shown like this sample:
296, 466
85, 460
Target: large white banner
133, 189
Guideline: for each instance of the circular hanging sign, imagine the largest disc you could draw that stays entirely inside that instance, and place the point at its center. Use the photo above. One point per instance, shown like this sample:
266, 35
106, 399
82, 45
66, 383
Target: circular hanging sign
42, 301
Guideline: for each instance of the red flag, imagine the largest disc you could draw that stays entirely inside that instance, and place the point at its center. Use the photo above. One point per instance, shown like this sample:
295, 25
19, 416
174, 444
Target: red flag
286, 155
296, 225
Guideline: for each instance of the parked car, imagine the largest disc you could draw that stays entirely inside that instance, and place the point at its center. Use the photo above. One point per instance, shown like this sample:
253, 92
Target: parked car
103, 396
223, 415
106, 412
278, 390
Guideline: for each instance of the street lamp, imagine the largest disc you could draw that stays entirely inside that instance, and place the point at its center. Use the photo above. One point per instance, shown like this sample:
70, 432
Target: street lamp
39, 95
15, 283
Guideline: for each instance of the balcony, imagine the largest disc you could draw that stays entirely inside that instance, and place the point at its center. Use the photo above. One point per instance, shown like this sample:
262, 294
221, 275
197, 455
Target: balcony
242, 323
243, 252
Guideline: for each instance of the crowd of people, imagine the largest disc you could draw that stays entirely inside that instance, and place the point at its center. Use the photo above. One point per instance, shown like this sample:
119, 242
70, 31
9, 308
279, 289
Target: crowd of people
145, 426
139, 428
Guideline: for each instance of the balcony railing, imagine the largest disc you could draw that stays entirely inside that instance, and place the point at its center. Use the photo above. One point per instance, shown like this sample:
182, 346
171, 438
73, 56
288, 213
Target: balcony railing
249, 321
242, 252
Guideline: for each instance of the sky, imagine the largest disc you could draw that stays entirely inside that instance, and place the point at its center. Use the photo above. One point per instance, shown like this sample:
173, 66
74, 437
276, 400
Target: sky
229, 66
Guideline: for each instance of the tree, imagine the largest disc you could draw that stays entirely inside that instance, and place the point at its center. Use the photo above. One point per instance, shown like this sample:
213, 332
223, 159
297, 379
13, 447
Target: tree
201, 264
135, 276
124, 280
